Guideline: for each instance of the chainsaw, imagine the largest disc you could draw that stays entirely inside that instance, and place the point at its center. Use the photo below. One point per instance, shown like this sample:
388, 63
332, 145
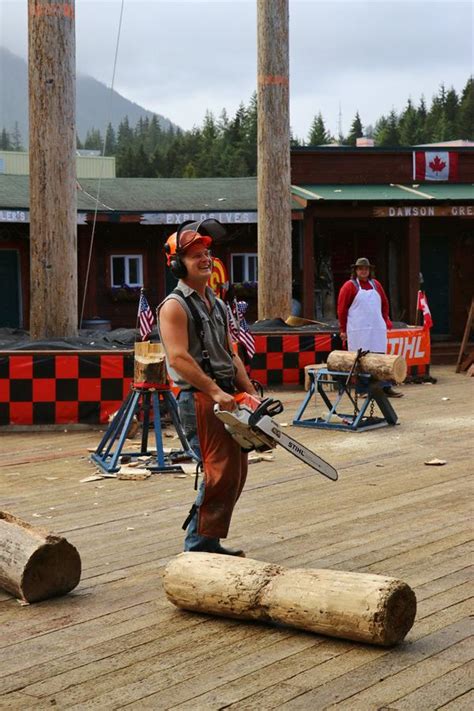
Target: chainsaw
252, 425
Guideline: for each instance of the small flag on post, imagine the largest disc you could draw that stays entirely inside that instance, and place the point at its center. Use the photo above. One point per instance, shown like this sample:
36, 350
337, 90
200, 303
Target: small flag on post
239, 329
145, 317
425, 309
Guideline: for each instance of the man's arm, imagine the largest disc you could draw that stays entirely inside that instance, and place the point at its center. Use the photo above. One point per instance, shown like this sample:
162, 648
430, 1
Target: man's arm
344, 301
174, 334
242, 380
385, 304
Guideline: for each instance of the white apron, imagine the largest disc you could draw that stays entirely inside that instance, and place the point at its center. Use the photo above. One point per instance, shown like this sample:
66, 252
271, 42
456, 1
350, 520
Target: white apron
366, 328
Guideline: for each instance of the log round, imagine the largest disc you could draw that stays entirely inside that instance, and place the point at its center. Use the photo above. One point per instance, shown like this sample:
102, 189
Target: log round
356, 606
35, 564
379, 365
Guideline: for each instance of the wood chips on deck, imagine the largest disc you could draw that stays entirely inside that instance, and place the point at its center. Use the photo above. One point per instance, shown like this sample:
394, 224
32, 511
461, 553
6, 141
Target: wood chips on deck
117, 642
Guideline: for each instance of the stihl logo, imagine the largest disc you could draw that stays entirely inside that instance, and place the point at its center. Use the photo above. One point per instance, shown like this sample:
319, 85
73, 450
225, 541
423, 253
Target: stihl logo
405, 346
295, 448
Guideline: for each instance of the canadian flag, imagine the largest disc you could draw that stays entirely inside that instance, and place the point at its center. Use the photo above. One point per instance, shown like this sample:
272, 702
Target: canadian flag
428, 165
423, 306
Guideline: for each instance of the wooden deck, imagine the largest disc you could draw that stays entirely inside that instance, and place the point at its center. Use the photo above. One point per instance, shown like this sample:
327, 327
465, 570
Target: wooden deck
116, 642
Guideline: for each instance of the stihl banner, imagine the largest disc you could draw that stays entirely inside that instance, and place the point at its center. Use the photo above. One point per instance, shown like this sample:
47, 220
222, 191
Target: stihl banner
413, 344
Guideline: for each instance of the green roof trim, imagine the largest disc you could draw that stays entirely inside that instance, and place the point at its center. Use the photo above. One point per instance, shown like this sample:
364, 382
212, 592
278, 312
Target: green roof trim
413, 192
179, 195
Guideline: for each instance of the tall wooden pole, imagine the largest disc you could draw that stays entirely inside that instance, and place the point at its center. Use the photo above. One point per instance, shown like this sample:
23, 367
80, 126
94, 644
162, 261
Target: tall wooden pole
52, 113
274, 209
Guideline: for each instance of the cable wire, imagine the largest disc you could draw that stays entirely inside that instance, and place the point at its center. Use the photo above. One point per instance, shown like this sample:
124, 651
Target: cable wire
94, 222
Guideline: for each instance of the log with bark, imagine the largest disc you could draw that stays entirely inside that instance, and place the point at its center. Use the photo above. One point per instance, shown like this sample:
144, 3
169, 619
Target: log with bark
35, 564
379, 365
357, 606
150, 365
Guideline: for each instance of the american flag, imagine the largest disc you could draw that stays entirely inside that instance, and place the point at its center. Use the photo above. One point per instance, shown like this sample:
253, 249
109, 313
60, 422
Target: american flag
145, 317
239, 329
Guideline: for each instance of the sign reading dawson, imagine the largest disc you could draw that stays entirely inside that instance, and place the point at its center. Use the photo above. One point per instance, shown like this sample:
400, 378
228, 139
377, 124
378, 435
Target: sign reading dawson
425, 211
176, 218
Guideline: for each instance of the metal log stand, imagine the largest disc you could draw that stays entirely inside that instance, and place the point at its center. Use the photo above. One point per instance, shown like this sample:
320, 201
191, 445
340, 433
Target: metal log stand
362, 417
141, 399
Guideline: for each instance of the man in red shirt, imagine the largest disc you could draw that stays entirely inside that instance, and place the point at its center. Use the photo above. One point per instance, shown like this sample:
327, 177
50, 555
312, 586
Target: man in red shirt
363, 312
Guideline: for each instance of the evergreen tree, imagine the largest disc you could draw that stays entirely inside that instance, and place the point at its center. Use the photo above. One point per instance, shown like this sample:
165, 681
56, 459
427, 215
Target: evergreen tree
421, 115
110, 141
356, 131
5, 142
409, 125
466, 112
93, 140
318, 135
16, 138
189, 171
386, 130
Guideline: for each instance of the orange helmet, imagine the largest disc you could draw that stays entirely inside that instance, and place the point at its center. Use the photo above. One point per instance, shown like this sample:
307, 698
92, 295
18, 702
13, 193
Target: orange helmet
179, 242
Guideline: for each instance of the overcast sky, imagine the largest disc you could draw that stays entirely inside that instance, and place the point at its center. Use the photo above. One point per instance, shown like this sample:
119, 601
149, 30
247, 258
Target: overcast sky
181, 57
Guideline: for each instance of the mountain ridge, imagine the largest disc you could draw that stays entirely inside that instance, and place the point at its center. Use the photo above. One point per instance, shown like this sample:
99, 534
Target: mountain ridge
95, 106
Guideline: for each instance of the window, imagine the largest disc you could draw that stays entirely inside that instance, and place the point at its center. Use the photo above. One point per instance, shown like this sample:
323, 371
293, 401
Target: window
244, 268
127, 269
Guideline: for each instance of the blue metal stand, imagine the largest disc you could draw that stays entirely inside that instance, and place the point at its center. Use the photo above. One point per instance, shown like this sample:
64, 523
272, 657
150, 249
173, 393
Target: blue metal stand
107, 458
358, 420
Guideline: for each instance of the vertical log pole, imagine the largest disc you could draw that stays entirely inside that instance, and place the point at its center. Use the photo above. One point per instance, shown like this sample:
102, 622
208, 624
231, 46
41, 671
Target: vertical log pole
413, 252
273, 141
309, 266
52, 115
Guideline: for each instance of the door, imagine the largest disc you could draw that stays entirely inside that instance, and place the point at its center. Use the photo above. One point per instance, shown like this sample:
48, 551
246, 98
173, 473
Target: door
436, 272
9, 288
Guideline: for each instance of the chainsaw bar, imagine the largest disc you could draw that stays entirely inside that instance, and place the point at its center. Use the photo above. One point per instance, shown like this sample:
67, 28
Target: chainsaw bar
254, 429
270, 428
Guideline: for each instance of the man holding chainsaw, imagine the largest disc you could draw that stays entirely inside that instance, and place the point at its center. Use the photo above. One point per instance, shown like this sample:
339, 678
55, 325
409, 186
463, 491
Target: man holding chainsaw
201, 362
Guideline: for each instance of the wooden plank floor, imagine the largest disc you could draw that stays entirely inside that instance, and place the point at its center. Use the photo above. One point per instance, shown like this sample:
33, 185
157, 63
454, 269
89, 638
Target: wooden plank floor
117, 643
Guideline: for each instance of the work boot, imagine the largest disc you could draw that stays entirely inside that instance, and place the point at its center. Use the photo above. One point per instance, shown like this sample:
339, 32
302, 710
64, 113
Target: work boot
390, 392
229, 551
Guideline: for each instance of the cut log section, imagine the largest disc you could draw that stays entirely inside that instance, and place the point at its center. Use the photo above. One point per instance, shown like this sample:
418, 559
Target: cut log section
356, 606
378, 365
35, 564
150, 365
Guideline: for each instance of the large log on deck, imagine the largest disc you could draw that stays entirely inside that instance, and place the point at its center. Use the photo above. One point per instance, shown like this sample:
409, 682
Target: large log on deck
35, 564
379, 365
357, 606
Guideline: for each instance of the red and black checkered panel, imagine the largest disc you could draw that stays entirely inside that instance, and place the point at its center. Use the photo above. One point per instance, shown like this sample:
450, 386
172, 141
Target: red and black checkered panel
62, 388
280, 360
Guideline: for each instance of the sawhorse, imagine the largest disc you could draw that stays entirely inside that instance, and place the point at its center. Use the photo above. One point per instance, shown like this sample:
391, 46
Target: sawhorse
142, 399
358, 420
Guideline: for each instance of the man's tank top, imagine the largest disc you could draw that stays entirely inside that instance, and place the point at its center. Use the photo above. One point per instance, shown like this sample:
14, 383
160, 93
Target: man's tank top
215, 334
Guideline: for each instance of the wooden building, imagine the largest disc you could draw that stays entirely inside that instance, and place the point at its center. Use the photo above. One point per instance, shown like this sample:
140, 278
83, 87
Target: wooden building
365, 202
346, 202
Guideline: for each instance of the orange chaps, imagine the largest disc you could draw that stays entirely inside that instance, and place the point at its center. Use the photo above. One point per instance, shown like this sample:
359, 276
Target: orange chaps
225, 470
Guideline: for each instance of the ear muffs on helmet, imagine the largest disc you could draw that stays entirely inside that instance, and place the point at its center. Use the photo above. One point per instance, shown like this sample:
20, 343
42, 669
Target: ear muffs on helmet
177, 266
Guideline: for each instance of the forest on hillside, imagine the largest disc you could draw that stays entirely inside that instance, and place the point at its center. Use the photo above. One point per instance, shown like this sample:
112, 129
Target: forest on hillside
227, 146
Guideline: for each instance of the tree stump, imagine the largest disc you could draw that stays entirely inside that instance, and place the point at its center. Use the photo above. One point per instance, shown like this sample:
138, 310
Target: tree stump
379, 365
356, 606
35, 564
150, 364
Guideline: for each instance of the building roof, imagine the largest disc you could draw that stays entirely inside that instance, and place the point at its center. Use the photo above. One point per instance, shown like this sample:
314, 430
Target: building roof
385, 193
146, 194
180, 195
